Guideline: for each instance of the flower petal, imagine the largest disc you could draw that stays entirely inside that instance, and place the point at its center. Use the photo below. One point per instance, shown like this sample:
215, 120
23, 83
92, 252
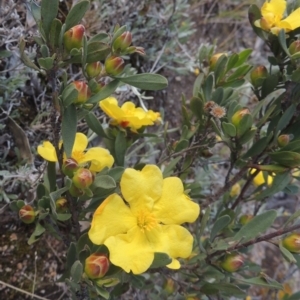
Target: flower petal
112, 217
174, 207
174, 240
47, 151
131, 251
292, 21
111, 108
276, 7
80, 143
99, 157
142, 188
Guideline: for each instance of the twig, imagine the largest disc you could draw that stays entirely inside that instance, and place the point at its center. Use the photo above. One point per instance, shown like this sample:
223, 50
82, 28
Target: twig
22, 291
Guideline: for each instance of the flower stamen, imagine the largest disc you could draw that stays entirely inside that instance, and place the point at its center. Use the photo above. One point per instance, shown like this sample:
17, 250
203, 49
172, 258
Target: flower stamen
146, 221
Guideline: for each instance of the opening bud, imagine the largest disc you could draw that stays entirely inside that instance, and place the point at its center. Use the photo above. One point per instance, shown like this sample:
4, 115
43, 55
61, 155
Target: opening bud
257, 75
61, 205
114, 65
27, 214
292, 242
69, 166
214, 59
84, 92
73, 37
96, 265
93, 69
232, 262
238, 116
244, 219
83, 178
294, 47
283, 140
122, 42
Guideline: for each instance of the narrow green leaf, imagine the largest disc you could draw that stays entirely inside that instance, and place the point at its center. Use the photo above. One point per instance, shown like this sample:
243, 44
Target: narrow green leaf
69, 126
286, 118
208, 87
25, 59
102, 292
105, 92
243, 56
160, 260
120, 148
197, 84
76, 271
49, 11
146, 81
181, 145
54, 33
282, 41
229, 129
286, 158
260, 281
63, 217
256, 226
97, 51
220, 68
69, 95
95, 125
169, 168
287, 254
293, 217
76, 13
219, 225
204, 220
35, 11
105, 182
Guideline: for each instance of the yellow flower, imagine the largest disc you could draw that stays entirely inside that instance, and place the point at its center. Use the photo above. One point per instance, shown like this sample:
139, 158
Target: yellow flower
128, 115
99, 157
148, 222
235, 190
272, 17
259, 179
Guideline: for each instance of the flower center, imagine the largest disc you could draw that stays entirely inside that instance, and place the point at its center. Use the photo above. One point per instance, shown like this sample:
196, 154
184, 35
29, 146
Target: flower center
146, 220
78, 155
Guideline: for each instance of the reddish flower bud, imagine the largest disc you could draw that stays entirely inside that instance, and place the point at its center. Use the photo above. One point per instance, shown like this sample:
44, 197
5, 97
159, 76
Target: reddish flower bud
238, 116
96, 266
244, 219
257, 75
83, 178
84, 92
292, 242
214, 59
122, 42
93, 69
69, 166
283, 140
294, 47
73, 37
232, 262
114, 65
169, 286
61, 205
27, 214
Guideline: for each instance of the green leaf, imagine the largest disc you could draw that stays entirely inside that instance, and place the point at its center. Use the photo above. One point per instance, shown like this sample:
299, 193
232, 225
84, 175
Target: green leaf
63, 217
35, 11
118, 32
25, 59
46, 63
248, 136
105, 92
219, 225
293, 146
197, 84
207, 87
286, 118
120, 148
181, 145
257, 147
220, 68
282, 41
116, 173
218, 95
76, 271
204, 220
39, 230
49, 11
102, 292
54, 33
97, 51
71, 258
256, 226
105, 182
69, 127
146, 81
160, 260
295, 296
229, 290
269, 85
240, 72
196, 106
171, 165
76, 13
232, 61
51, 176
5, 54
229, 129
243, 56
286, 158
261, 281
69, 95
293, 217
287, 254
95, 125
100, 37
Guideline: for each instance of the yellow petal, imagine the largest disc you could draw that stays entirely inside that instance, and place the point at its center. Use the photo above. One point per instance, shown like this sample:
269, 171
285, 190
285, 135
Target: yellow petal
259, 179
112, 217
174, 207
276, 7
129, 108
47, 151
174, 240
292, 21
80, 143
131, 251
175, 264
111, 108
142, 188
99, 157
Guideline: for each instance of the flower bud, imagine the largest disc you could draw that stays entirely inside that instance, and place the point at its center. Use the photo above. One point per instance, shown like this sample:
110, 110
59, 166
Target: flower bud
265, 24
61, 205
73, 37
283, 140
83, 178
292, 242
96, 265
75, 192
84, 92
27, 214
122, 42
294, 47
232, 262
93, 69
238, 116
169, 286
244, 219
206, 153
235, 190
214, 59
257, 75
114, 65
69, 166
